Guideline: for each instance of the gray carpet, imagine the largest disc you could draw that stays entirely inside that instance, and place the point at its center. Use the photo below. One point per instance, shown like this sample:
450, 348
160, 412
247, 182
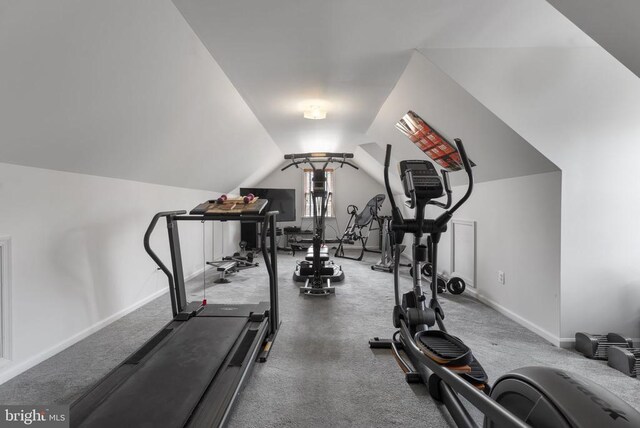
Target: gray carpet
321, 371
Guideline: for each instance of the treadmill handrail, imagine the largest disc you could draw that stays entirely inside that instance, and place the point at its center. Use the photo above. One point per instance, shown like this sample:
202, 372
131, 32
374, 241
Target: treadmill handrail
271, 265
154, 256
268, 220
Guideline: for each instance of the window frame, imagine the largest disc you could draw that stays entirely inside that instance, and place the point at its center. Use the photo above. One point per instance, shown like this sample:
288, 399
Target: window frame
307, 203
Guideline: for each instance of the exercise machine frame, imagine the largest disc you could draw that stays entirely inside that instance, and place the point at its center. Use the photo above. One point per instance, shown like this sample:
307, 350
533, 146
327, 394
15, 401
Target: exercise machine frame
536, 394
353, 231
191, 372
319, 272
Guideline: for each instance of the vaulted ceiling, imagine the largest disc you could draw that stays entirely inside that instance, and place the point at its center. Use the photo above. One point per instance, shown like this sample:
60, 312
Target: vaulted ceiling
282, 54
612, 24
211, 99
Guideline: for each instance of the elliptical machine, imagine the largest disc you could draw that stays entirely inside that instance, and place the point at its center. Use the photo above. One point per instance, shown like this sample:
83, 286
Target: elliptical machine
317, 271
530, 396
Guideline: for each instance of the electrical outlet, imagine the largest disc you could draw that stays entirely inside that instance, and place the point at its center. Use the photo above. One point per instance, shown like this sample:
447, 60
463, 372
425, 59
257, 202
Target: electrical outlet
501, 277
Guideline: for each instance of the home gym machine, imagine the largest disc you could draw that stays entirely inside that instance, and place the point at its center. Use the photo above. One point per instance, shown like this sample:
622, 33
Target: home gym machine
530, 396
191, 371
317, 271
357, 222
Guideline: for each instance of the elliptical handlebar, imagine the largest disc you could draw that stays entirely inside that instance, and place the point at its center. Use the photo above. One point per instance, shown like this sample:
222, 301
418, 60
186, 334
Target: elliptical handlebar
387, 185
447, 189
467, 169
446, 216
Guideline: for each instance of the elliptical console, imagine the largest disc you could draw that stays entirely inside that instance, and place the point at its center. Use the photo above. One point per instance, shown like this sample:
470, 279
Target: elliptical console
420, 179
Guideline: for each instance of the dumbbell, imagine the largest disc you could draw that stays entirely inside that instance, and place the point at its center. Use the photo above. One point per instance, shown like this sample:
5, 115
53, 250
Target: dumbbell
250, 197
221, 199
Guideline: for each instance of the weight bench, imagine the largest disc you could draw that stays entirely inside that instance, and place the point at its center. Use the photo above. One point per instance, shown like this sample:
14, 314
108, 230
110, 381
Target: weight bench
224, 267
324, 254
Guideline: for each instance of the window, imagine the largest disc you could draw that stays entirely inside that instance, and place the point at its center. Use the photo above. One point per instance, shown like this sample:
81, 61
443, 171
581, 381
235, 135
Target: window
308, 187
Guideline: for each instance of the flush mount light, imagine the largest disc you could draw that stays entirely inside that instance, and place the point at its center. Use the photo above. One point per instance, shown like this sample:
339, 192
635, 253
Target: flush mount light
315, 113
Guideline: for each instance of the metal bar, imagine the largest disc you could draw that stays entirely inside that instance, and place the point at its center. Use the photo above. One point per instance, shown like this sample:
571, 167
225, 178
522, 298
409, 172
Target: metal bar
318, 155
155, 258
214, 217
176, 261
270, 261
275, 309
460, 415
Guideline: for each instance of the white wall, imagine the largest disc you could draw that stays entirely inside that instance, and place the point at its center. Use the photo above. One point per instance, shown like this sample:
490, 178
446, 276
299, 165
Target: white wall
122, 89
77, 254
516, 201
108, 89
517, 232
580, 108
352, 187
498, 151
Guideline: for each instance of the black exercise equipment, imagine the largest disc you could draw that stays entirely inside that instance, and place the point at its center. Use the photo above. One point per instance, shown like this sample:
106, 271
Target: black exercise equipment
189, 373
625, 359
317, 271
244, 259
453, 284
354, 232
618, 350
596, 346
385, 264
531, 396
224, 268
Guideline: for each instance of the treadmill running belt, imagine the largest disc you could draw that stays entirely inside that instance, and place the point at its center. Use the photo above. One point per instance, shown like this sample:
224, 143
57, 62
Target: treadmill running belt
167, 386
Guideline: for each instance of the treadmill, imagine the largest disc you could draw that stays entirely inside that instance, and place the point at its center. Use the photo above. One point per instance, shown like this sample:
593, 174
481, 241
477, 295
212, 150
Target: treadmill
190, 373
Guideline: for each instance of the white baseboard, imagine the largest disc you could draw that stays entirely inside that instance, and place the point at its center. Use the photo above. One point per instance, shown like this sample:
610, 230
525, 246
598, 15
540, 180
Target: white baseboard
9, 370
553, 339
567, 342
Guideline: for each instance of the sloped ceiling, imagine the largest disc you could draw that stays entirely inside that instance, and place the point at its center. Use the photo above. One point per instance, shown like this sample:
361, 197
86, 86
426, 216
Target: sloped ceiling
498, 151
122, 89
128, 90
613, 24
280, 53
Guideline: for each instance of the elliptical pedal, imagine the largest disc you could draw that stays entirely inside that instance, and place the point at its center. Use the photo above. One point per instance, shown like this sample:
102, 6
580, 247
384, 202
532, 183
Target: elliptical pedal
477, 376
451, 352
444, 349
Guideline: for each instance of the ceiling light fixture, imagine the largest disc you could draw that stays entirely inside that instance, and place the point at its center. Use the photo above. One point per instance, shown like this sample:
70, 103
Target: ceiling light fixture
315, 113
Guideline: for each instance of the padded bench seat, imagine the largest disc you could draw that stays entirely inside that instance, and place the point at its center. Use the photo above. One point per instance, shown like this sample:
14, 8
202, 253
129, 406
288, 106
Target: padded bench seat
324, 254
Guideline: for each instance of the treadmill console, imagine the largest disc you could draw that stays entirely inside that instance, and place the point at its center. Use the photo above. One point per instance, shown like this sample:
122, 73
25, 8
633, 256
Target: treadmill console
421, 177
